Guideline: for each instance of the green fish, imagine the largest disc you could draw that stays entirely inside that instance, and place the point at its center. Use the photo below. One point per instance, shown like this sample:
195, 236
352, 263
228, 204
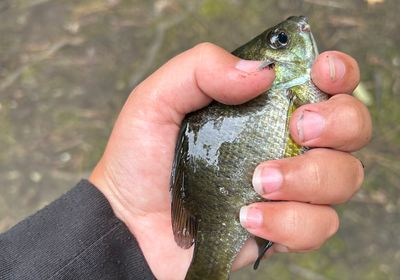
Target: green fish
219, 147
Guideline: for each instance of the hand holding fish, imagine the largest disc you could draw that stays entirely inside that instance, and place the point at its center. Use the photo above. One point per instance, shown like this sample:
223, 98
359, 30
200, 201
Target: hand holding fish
134, 172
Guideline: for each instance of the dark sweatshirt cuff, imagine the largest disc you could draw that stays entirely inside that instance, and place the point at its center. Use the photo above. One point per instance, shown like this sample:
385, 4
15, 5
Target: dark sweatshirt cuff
75, 237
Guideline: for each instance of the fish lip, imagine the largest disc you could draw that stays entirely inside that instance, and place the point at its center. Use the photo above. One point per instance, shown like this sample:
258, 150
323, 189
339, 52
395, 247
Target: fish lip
302, 22
305, 27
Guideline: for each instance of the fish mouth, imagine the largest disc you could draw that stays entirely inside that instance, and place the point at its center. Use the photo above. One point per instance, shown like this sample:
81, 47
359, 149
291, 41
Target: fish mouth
302, 22
304, 26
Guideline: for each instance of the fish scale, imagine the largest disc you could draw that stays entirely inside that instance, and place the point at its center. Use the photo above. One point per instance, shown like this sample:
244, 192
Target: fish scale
219, 147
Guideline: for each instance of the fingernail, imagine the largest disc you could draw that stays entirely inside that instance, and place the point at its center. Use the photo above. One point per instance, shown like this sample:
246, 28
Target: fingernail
267, 179
250, 217
337, 68
310, 126
248, 66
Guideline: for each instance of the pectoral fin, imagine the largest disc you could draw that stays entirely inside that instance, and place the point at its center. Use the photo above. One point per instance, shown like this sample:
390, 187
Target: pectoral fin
263, 246
184, 225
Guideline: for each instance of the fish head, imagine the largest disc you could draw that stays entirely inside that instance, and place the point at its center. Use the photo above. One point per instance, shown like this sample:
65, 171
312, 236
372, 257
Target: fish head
290, 41
289, 44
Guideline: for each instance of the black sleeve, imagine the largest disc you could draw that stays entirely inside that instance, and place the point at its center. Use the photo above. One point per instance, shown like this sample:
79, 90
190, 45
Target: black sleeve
75, 237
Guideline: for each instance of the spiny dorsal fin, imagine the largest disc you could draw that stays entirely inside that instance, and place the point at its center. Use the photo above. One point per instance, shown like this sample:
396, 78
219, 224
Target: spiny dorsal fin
184, 225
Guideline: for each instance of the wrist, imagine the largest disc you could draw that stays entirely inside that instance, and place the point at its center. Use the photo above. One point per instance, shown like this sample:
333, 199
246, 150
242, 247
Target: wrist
101, 179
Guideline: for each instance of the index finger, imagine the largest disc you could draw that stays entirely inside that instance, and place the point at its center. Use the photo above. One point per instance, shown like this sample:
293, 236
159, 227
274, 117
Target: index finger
335, 72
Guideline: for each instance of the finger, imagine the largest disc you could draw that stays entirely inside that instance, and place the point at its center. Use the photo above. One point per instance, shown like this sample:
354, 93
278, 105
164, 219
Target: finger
320, 176
192, 79
297, 226
335, 72
342, 123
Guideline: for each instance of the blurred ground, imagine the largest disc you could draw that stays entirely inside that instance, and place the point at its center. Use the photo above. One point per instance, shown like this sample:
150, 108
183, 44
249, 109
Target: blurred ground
66, 68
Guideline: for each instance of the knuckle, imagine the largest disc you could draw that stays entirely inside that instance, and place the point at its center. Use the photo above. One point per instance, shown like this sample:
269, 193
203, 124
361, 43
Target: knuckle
292, 226
352, 113
355, 117
331, 227
302, 233
356, 113
204, 49
315, 177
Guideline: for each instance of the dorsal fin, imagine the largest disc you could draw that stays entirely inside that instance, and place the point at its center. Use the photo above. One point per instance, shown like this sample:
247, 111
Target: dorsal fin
184, 224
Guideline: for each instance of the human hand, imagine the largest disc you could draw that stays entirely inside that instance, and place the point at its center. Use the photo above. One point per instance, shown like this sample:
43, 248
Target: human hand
134, 171
307, 185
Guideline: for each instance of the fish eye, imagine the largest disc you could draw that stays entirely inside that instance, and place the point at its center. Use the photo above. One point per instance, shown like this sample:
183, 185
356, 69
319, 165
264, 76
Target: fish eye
278, 39
283, 38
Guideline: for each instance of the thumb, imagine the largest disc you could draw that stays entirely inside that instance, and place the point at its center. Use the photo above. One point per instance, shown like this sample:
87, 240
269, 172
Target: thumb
193, 79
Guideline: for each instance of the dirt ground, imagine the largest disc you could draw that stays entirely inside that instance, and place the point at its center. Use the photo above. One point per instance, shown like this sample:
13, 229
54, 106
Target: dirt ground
66, 68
